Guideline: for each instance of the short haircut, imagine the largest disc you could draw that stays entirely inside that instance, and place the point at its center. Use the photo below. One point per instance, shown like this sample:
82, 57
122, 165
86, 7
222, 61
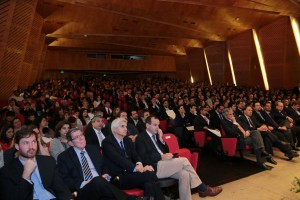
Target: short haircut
24, 133
121, 111
96, 117
116, 123
69, 133
148, 119
72, 120
226, 111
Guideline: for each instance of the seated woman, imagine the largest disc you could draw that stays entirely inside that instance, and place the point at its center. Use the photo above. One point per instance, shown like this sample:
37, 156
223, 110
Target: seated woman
60, 142
6, 137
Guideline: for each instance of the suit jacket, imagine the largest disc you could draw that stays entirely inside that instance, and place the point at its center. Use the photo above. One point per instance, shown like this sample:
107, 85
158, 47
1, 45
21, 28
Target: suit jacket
71, 170
91, 135
114, 156
141, 126
238, 112
232, 131
200, 122
279, 117
215, 120
245, 124
259, 118
269, 120
105, 114
294, 115
147, 150
13, 186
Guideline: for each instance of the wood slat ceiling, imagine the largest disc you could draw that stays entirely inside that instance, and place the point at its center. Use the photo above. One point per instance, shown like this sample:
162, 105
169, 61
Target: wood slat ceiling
163, 27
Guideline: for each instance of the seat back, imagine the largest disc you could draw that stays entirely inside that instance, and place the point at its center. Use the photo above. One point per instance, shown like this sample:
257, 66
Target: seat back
134, 192
200, 138
171, 141
163, 125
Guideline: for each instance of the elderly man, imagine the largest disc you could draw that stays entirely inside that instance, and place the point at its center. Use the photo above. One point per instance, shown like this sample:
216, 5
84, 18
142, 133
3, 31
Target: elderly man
154, 151
30, 176
125, 164
81, 167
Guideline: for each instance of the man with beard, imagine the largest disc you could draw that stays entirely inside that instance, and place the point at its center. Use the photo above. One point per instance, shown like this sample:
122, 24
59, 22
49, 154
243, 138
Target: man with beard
31, 176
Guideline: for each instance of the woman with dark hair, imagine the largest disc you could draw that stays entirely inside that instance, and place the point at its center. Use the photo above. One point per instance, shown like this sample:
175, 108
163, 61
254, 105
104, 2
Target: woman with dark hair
60, 142
17, 124
6, 137
84, 117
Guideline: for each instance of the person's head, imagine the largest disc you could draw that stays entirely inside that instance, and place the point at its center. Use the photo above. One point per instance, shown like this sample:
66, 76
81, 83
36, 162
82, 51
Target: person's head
279, 106
48, 132
9, 116
152, 124
73, 122
122, 114
41, 122
115, 112
31, 117
166, 103
144, 114
83, 112
240, 104
97, 122
62, 128
295, 105
7, 134
26, 143
16, 122
119, 127
228, 113
268, 106
248, 111
257, 106
107, 104
134, 115
76, 138
203, 111
219, 108
181, 109
193, 109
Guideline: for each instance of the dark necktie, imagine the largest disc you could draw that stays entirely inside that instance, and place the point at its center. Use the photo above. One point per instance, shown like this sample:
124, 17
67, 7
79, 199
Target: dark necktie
250, 121
123, 149
85, 167
154, 138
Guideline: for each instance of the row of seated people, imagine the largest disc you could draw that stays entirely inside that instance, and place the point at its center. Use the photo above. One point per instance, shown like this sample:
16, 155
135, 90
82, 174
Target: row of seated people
263, 128
83, 169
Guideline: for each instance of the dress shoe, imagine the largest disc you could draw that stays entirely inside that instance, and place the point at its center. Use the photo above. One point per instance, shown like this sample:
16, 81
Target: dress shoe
211, 191
291, 155
264, 153
264, 166
272, 161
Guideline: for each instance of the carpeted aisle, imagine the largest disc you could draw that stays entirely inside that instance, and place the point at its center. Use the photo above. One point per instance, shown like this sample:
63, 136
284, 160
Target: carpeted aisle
216, 171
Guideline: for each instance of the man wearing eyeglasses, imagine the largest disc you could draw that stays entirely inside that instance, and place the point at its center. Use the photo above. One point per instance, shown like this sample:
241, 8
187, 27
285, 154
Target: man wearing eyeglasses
31, 176
81, 167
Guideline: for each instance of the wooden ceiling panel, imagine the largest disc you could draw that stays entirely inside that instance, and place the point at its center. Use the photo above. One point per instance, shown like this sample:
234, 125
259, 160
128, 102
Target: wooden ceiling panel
155, 26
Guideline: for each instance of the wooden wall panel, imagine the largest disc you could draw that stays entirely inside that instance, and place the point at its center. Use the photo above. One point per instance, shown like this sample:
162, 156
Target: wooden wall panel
197, 65
57, 60
245, 61
33, 51
182, 68
217, 59
17, 31
280, 52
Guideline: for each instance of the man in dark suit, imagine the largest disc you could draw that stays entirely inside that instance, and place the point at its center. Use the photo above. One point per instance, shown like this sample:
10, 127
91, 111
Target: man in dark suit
282, 119
95, 132
107, 111
216, 116
154, 151
203, 123
30, 176
240, 106
123, 161
294, 113
284, 146
82, 170
141, 125
249, 123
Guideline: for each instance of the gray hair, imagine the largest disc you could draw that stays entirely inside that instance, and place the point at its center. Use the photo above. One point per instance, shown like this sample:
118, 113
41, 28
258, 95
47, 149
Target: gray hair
116, 123
226, 111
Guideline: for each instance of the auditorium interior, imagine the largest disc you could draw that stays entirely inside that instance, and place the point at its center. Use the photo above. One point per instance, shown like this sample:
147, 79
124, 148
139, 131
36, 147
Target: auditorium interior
219, 43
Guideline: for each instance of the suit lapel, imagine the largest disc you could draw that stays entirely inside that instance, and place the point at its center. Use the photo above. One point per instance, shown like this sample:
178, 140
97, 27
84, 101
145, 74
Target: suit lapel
75, 160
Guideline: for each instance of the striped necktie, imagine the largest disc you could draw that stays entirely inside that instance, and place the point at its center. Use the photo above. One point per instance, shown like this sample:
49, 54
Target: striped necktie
85, 167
